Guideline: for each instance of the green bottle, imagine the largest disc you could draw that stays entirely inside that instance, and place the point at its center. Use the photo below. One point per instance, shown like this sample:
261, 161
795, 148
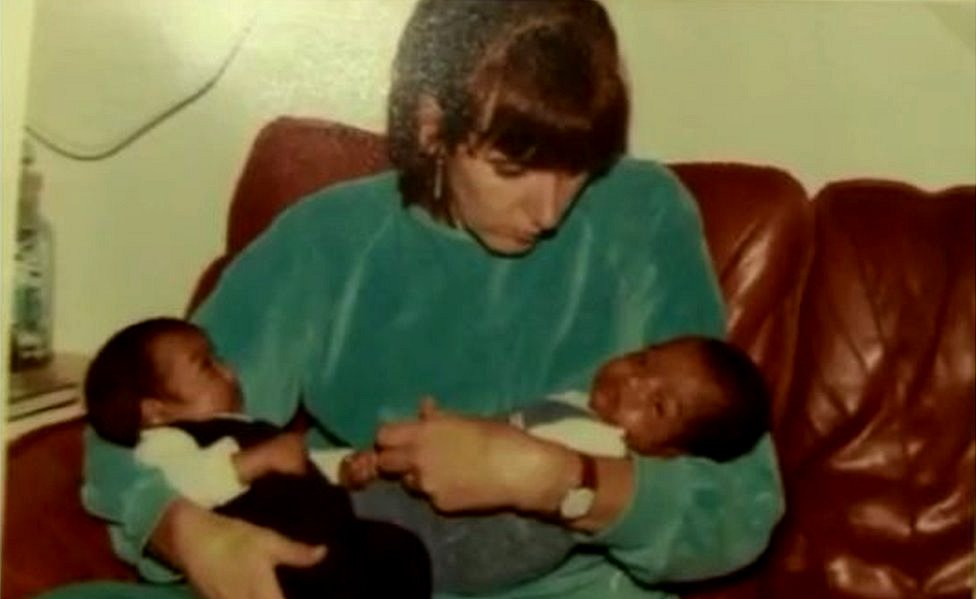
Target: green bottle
31, 329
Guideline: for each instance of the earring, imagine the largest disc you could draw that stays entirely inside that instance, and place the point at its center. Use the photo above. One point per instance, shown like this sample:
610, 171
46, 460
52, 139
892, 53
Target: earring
439, 177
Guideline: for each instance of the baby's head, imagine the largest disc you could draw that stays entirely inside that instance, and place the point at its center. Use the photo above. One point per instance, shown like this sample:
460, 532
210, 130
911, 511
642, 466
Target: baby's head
691, 395
153, 373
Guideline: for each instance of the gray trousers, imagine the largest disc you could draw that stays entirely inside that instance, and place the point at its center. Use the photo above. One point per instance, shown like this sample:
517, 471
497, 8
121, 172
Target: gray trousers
476, 553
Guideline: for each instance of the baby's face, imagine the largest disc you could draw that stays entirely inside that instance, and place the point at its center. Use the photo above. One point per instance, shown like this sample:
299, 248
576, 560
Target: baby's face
646, 393
199, 386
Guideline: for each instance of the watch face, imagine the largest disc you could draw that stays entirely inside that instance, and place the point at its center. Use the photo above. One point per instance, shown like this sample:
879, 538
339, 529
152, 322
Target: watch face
576, 503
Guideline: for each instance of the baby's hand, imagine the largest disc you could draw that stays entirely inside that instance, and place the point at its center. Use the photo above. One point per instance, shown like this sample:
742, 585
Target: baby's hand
358, 469
284, 454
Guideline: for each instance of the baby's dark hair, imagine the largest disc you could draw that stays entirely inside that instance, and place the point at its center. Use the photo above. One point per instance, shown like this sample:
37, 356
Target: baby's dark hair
122, 373
737, 415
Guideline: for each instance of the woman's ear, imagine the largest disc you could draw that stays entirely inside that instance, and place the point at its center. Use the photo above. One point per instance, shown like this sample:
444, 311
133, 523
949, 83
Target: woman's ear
153, 411
429, 115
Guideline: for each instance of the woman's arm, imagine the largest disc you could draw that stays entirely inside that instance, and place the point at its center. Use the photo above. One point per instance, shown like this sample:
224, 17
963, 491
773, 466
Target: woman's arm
464, 463
131, 497
663, 520
691, 518
614, 492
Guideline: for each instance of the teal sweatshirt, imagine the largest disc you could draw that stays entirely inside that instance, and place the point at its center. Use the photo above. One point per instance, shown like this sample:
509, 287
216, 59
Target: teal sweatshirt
357, 307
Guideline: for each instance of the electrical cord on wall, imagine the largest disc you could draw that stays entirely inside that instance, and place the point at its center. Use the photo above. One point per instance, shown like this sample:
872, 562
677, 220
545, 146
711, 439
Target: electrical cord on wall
154, 121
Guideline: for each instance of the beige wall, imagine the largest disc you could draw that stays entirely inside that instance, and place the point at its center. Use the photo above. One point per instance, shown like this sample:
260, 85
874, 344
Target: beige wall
825, 89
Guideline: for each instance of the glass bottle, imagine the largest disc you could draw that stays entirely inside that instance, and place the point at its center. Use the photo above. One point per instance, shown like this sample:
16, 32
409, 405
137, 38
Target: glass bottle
33, 274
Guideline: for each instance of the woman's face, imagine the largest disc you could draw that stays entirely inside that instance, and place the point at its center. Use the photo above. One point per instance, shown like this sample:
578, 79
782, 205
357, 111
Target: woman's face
506, 206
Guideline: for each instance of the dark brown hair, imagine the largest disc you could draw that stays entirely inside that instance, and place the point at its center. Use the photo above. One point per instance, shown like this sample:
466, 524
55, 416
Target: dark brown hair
123, 373
733, 403
538, 80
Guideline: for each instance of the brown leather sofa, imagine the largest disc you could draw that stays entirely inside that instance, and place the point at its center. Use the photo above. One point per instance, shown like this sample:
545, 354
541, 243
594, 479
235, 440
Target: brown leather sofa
859, 305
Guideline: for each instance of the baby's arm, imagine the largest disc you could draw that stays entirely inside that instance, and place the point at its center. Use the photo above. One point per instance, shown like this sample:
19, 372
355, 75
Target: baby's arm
219, 472
284, 454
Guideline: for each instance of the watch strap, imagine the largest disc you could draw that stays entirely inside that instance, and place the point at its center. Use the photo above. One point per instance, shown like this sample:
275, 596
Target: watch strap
588, 478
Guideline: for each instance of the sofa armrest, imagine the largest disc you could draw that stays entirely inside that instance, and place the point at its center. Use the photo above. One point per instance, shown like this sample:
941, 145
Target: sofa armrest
48, 538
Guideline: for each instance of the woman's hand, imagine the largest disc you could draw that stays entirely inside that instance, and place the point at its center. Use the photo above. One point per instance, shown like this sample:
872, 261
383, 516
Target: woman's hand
465, 464
224, 558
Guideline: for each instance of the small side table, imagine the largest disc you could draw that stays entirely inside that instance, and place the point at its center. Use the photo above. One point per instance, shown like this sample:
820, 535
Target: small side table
45, 395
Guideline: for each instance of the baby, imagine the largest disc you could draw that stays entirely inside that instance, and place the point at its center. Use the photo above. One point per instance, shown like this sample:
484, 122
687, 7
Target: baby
157, 381
689, 396
157, 386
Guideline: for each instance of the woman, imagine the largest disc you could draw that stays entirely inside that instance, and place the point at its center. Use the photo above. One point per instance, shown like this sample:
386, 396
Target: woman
511, 253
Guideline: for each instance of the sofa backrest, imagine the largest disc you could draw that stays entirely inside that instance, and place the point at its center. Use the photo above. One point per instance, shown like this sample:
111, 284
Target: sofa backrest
879, 438
758, 226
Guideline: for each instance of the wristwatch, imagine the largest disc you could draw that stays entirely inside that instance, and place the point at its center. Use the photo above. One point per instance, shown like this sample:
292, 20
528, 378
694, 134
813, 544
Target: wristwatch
578, 500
